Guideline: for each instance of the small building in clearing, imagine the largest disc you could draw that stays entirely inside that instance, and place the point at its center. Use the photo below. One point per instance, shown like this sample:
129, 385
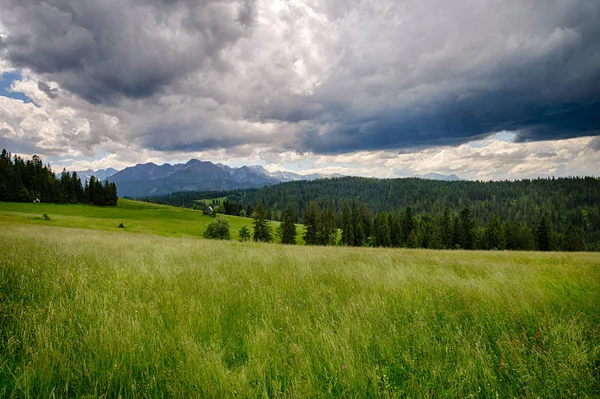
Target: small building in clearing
208, 210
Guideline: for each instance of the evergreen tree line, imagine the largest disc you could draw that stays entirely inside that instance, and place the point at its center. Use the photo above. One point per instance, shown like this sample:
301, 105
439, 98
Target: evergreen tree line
568, 204
29, 180
447, 231
355, 226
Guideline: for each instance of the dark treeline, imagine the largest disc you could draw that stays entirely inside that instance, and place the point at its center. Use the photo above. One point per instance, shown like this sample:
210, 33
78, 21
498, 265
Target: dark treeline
29, 180
446, 231
569, 208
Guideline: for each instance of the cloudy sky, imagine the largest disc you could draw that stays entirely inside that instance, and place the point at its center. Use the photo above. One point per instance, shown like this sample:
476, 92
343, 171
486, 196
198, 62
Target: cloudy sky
486, 89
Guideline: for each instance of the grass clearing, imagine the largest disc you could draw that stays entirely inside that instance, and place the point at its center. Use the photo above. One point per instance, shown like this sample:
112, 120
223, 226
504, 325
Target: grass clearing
209, 201
113, 313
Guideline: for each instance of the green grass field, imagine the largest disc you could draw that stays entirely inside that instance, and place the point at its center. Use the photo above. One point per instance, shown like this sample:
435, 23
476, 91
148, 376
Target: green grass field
136, 216
87, 309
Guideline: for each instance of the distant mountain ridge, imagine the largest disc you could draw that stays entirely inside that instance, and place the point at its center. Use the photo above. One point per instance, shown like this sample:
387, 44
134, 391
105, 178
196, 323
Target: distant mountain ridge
150, 179
285, 176
439, 176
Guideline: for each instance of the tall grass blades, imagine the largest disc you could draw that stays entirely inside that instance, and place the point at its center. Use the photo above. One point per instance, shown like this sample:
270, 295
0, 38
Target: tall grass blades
114, 313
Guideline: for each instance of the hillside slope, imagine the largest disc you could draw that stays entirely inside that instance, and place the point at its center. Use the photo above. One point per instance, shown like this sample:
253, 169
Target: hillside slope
137, 217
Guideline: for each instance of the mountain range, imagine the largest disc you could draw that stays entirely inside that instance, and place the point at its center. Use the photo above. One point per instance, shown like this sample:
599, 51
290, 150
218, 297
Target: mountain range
438, 176
151, 179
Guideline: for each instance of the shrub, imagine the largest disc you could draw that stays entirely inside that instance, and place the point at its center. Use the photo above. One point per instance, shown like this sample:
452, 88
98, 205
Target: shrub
218, 229
46, 217
244, 234
121, 226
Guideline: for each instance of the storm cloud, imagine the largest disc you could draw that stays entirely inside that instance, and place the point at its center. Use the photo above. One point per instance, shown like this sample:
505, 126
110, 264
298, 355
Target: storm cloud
103, 50
324, 77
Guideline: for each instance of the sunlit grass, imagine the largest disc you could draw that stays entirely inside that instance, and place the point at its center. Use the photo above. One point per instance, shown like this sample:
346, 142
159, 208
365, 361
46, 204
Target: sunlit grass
109, 313
136, 216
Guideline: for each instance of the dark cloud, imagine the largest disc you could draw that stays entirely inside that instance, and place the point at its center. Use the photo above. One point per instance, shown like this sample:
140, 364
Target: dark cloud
174, 136
595, 144
104, 50
454, 123
18, 146
331, 76
550, 90
561, 121
51, 92
247, 13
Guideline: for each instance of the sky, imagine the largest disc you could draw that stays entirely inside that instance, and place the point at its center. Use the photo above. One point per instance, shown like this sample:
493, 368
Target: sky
485, 89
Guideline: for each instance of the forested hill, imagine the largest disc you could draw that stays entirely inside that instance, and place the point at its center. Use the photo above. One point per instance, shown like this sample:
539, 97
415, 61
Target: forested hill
29, 180
524, 200
562, 200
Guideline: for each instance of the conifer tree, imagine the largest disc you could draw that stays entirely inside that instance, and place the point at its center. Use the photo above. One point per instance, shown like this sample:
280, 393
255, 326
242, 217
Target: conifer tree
408, 223
359, 236
455, 232
494, 236
436, 241
92, 190
289, 226
411, 242
395, 230
312, 224
366, 220
466, 233
328, 232
113, 191
262, 229
424, 231
542, 234
573, 239
244, 234
382, 231
347, 226
446, 230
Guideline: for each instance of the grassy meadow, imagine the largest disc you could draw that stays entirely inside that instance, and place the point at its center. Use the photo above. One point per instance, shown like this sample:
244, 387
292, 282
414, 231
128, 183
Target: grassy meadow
87, 309
136, 216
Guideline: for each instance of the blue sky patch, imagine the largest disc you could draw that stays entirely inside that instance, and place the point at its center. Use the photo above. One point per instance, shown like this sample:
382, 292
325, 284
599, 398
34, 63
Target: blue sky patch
6, 82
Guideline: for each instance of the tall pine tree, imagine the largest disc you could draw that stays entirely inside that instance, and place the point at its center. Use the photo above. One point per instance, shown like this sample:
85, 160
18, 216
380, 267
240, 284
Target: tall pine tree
312, 224
347, 226
289, 226
542, 234
466, 234
262, 229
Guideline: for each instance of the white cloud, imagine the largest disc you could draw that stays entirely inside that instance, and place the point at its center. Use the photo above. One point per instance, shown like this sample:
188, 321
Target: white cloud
5, 67
490, 159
